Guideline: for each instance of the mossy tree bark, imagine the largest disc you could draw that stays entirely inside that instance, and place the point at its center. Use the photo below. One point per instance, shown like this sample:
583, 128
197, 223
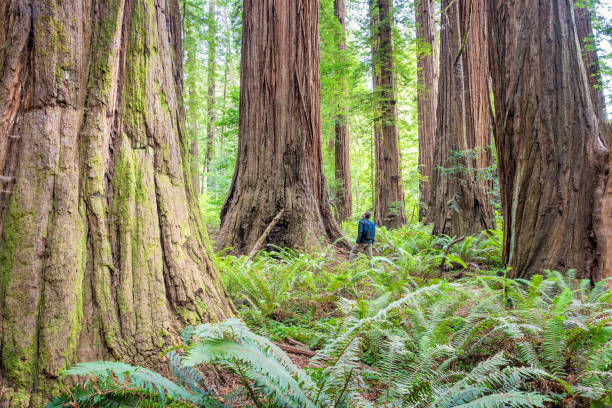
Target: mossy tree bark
279, 165
344, 196
459, 203
389, 207
551, 152
427, 83
102, 251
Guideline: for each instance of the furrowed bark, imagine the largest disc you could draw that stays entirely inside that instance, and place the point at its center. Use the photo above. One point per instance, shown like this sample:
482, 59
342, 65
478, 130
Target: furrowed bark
344, 199
427, 83
389, 208
102, 251
279, 163
552, 157
460, 203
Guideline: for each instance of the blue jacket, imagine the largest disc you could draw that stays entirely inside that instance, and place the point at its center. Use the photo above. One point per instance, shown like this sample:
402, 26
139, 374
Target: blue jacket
361, 232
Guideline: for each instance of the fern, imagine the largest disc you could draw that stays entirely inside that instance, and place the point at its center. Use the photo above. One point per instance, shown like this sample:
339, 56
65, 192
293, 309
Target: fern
139, 378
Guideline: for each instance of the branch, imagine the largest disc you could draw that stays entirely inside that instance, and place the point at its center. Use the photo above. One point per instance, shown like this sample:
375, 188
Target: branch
467, 31
265, 234
295, 350
446, 251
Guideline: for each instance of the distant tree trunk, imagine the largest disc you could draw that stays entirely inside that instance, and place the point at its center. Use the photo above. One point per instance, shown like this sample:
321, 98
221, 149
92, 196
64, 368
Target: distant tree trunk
427, 83
344, 200
212, 80
226, 68
195, 162
584, 30
551, 154
102, 251
460, 204
389, 208
279, 165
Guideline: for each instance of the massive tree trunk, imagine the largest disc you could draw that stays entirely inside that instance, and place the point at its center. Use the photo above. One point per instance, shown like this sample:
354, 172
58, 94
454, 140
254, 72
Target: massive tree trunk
102, 251
551, 154
460, 203
389, 208
344, 200
279, 165
584, 30
212, 81
427, 83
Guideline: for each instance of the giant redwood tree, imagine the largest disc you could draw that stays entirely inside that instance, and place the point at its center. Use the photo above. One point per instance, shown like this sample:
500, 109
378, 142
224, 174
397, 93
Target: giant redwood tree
427, 103
342, 169
389, 207
102, 251
460, 204
278, 191
552, 155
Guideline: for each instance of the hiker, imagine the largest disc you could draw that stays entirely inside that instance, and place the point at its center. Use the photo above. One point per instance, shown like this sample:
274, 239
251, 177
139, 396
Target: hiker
365, 237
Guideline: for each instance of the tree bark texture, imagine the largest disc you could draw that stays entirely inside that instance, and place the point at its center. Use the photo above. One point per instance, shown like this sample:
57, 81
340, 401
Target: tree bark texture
344, 196
389, 207
427, 83
551, 154
212, 81
460, 203
279, 165
103, 253
584, 30
195, 165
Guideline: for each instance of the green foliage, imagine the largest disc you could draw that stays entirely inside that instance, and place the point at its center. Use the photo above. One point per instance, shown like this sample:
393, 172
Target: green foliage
122, 385
481, 340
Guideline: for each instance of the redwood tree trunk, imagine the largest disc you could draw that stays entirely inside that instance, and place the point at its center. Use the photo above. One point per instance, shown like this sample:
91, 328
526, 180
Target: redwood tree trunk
389, 208
344, 199
552, 156
102, 250
427, 83
460, 203
279, 165
212, 81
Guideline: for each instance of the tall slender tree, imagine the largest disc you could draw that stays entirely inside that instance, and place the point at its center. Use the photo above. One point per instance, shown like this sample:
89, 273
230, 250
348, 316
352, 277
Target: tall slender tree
278, 184
344, 200
552, 156
389, 207
460, 203
102, 251
427, 83
212, 81
191, 24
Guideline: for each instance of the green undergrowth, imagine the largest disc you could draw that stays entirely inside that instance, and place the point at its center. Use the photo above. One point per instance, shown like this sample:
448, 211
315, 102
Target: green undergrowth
404, 332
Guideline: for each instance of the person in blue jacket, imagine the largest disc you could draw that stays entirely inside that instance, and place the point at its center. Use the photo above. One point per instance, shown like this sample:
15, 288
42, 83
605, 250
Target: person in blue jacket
365, 237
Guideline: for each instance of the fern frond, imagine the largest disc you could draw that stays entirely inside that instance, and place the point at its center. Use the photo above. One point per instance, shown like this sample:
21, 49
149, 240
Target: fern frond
140, 378
510, 399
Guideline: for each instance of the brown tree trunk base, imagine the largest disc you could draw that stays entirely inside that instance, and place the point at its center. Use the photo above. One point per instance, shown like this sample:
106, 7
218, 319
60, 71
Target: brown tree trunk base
279, 165
553, 159
102, 250
459, 203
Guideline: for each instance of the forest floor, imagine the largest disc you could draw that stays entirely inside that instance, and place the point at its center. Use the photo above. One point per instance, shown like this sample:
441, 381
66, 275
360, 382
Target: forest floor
432, 322
305, 302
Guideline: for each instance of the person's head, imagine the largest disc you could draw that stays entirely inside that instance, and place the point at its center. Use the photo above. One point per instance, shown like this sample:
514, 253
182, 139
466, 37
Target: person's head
366, 215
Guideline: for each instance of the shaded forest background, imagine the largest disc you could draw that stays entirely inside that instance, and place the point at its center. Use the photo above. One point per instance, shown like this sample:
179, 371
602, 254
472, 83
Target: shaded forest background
213, 33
